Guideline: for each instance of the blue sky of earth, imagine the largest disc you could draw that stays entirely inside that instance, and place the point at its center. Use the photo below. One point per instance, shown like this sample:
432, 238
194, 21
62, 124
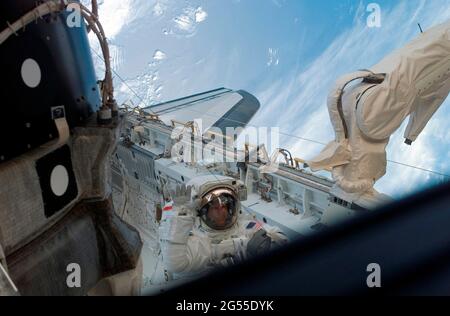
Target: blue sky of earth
288, 53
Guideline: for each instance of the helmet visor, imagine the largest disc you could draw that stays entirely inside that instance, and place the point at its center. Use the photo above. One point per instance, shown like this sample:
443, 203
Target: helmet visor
219, 209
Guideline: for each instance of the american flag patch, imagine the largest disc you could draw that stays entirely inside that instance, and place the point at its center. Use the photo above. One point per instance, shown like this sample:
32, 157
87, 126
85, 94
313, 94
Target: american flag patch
256, 225
168, 206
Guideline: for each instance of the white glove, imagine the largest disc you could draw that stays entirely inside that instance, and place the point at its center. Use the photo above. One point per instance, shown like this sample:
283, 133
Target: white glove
182, 200
179, 203
178, 217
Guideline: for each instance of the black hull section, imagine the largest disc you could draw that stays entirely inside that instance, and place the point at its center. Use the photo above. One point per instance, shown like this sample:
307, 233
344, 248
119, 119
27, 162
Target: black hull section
66, 77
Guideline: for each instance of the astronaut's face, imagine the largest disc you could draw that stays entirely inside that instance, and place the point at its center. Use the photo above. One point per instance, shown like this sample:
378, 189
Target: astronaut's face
218, 213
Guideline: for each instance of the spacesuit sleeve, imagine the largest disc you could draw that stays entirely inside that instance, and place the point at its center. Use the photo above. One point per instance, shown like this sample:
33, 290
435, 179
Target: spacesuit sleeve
183, 253
337, 153
417, 83
434, 89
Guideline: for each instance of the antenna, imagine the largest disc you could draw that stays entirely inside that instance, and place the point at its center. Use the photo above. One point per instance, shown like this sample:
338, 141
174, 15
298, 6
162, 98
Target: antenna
420, 27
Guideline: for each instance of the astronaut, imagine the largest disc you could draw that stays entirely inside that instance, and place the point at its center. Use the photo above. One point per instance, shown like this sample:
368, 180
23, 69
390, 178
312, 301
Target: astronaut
413, 81
205, 228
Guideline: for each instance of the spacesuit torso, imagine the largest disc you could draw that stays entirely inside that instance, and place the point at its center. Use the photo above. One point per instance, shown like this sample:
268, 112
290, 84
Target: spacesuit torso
190, 248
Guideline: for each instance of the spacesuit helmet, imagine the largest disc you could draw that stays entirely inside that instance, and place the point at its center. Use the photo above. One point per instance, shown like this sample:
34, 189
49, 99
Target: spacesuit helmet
219, 208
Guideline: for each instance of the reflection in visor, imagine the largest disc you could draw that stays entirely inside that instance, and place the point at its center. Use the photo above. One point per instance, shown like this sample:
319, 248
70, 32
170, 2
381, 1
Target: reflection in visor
219, 209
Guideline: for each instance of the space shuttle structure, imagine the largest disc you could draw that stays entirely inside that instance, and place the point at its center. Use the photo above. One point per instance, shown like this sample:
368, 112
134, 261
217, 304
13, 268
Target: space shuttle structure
131, 199
412, 82
154, 158
59, 233
275, 204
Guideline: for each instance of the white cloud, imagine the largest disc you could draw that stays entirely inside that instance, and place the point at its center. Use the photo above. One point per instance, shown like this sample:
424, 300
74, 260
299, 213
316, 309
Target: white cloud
159, 9
159, 55
114, 15
200, 15
188, 20
274, 60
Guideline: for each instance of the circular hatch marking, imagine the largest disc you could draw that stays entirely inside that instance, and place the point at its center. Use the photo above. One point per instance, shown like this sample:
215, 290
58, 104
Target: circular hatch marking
59, 180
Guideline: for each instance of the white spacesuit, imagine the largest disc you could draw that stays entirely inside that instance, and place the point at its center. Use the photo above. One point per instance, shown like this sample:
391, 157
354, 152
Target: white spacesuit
413, 81
205, 229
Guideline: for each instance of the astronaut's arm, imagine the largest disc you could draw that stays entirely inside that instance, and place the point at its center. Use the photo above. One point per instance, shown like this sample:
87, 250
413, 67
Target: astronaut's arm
183, 253
174, 235
417, 83
255, 242
432, 91
419, 119
230, 252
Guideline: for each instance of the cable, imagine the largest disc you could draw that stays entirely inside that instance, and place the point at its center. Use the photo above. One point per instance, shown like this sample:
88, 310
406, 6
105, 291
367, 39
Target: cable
38, 12
94, 8
124, 82
420, 168
95, 25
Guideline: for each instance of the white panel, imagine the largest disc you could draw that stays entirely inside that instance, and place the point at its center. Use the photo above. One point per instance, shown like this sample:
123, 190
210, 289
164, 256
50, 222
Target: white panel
209, 111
